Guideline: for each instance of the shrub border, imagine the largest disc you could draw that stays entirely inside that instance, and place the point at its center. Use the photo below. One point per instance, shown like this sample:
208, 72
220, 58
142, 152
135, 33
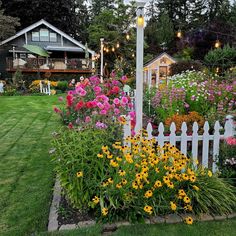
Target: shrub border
53, 224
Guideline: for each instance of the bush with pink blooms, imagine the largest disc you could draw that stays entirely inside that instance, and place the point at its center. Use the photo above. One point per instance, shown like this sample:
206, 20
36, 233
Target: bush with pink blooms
95, 104
227, 159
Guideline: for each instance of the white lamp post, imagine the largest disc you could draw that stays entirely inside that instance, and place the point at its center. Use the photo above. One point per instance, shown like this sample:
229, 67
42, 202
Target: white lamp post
139, 65
102, 45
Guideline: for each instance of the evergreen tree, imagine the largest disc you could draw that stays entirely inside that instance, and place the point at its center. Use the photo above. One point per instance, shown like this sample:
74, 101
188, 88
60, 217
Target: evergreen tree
97, 6
7, 24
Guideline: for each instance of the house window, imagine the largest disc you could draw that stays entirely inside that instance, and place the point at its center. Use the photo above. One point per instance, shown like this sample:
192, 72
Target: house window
53, 37
44, 35
35, 36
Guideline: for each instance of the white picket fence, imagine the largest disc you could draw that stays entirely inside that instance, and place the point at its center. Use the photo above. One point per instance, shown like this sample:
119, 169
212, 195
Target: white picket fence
193, 139
45, 88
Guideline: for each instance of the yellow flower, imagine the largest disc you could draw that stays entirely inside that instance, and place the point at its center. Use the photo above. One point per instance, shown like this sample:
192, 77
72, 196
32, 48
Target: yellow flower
104, 184
100, 155
185, 176
170, 184
182, 193
158, 184
138, 176
114, 163
192, 178
186, 199
124, 181
148, 194
157, 170
104, 148
119, 186
188, 208
110, 181
122, 172
109, 156
166, 179
173, 206
119, 159
104, 211
135, 185
195, 187
96, 200
189, 220
79, 174
209, 173
148, 209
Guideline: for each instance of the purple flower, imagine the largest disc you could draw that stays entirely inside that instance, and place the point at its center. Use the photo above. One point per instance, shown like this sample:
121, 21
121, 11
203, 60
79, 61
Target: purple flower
101, 125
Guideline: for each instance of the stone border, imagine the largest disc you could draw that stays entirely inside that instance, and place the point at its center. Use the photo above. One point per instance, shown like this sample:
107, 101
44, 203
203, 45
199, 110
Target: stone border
169, 219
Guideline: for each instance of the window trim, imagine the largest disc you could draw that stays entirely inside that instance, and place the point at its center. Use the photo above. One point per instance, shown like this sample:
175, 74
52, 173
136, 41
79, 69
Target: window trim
50, 33
38, 36
46, 30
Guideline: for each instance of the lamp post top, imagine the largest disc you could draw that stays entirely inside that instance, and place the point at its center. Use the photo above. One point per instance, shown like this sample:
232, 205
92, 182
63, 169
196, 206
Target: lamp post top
141, 3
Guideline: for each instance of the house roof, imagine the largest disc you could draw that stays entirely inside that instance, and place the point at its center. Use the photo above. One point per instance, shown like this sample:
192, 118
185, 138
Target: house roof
158, 57
44, 22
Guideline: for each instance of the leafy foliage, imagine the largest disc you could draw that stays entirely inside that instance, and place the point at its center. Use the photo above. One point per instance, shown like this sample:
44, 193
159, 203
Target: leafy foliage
7, 24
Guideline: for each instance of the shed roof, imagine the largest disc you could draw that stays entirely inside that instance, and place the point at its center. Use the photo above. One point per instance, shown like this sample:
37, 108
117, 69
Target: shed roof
159, 57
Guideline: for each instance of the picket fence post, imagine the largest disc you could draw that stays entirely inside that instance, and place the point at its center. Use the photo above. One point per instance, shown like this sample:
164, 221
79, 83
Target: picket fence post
184, 137
216, 145
173, 134
205, 144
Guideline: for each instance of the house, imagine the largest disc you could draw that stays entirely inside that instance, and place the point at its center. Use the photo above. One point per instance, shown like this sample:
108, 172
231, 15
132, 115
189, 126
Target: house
66, 55
156, 71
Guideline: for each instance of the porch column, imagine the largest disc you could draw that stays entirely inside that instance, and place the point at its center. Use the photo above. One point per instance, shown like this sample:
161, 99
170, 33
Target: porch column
157, 77
149, 78
93, 61
65, 56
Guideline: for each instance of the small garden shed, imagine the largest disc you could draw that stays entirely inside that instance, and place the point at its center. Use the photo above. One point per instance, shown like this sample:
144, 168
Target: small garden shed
156, 71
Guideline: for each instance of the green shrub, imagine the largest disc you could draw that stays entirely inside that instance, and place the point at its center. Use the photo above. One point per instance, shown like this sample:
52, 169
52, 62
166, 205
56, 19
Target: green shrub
76, 153
181, 66
62, 85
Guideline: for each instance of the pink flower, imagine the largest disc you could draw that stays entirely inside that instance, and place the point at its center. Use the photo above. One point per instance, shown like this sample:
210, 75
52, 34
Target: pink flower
100, 105
97, 90
117, 111
124, 78
102, 98
132, 114
124, 100
107, 105
87, 119
231, 141
60, 99
82, 93
116, 101
113, 74
57, 110
103, 112
70, 125
193, 97
101, 125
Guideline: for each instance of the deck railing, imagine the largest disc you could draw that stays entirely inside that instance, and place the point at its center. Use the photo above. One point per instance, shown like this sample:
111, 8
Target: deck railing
49, 63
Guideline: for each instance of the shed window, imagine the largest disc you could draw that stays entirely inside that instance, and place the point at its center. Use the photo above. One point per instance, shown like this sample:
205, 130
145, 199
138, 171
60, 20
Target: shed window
44, 35
35, 36
53, 37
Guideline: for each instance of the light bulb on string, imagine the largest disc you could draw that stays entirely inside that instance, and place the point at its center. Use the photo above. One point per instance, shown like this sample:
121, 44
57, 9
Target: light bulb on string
127, 36
217, 43
117, 45
113, 49
179, 34
133, 55
107, 50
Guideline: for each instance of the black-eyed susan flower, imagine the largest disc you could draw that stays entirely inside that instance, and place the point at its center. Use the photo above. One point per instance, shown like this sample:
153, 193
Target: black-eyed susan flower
104, 211
170, 185
114, 163
79, 174
189, 220
122, 173
96, 200
148, 209
110, 181
118, 185
188, 208
192, 178
148, 194
135, 185
182, 192
173, 206
100, 155
186, 199
124, 181
158, 184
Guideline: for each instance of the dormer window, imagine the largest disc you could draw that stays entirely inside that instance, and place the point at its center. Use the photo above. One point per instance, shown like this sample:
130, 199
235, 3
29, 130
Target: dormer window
53, 37
44, 35
35, 36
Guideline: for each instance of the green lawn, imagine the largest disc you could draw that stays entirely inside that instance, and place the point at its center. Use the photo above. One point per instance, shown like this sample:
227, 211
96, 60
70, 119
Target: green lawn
26, 176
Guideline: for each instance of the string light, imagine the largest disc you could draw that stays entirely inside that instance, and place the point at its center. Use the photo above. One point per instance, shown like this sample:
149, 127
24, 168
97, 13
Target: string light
217, 43
179, 34
133, 55
113, 49
107, 50
117, 45
127, 36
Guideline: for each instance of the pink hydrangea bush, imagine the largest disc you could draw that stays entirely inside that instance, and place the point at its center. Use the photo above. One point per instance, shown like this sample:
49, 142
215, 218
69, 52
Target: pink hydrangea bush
95, 104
